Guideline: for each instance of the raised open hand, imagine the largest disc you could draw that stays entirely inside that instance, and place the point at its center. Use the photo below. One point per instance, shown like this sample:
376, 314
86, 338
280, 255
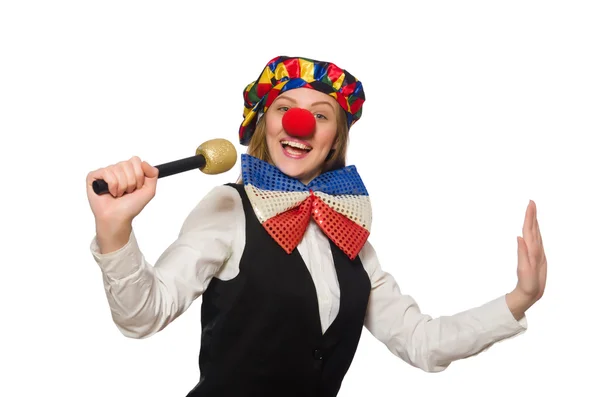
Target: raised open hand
531, 266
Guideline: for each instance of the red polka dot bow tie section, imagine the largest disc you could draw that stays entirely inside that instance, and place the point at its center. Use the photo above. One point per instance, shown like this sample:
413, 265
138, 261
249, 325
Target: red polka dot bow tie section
337, 201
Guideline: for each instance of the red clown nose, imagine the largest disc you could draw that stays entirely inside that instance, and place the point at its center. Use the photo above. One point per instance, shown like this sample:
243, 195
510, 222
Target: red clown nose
299, 122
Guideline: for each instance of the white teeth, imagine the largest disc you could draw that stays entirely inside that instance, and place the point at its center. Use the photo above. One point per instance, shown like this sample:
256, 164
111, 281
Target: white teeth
296, 145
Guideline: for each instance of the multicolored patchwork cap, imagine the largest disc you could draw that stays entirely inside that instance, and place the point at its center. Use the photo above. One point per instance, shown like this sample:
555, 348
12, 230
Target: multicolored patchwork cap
285, 73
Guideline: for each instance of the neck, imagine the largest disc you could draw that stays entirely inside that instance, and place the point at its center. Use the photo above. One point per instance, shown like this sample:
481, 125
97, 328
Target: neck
307, 180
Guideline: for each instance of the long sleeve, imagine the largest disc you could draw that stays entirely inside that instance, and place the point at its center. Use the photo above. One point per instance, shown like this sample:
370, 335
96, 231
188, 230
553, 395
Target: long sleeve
144, 299
431, 344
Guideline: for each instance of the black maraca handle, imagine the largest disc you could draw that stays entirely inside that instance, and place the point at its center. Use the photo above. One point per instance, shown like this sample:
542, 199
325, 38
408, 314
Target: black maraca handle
100, 186
174, 167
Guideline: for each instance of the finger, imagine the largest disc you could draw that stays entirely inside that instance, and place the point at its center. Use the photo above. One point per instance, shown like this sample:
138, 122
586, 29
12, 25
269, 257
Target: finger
534, 246
538, 238
95, 175
522, 254
92, 176
534, 259
534, 225
139, 172
111, 180
538, 233
127, 169
528, 223
533, 256
121, 178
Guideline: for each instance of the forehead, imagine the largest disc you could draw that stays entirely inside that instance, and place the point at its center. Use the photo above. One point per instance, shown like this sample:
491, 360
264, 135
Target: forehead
306, 95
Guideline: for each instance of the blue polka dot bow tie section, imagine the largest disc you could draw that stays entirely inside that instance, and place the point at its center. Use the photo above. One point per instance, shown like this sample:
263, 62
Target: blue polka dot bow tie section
337, 201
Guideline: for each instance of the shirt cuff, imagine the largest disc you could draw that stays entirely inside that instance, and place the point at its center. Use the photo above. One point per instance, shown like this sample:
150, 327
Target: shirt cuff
119, 264
500, 320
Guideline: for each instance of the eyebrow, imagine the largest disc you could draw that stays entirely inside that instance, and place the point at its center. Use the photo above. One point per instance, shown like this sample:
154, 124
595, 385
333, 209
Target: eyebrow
315, 103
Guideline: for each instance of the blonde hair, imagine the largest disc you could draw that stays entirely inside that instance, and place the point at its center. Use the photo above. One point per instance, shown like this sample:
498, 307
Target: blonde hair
335, 160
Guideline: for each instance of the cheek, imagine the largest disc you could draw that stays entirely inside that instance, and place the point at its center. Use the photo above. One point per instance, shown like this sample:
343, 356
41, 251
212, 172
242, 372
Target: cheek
273, 126
327, 137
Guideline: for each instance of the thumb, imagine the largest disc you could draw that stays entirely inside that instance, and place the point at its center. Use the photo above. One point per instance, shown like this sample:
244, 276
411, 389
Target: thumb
522, 252
149, 171
151, 174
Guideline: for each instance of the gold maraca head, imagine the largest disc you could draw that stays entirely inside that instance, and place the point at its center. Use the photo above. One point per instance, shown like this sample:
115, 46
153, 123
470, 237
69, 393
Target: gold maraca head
220, 155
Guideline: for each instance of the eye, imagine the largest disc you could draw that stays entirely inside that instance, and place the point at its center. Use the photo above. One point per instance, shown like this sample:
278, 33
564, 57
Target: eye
283, 108
320, 116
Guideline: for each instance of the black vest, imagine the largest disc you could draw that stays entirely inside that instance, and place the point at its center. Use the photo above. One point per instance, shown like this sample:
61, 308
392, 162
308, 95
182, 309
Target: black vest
261, 331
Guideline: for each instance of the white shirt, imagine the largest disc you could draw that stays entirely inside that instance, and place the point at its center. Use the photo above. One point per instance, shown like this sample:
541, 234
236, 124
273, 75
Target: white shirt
144, 299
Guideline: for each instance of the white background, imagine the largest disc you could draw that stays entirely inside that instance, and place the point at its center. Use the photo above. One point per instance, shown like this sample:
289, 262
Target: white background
472, 109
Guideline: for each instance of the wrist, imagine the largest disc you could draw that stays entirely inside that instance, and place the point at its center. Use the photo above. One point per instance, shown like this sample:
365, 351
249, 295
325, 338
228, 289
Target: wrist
112, 235
517, 303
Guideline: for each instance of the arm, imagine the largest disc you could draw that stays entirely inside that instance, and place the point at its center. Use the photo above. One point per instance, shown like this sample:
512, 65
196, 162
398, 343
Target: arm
144, 299
431, 344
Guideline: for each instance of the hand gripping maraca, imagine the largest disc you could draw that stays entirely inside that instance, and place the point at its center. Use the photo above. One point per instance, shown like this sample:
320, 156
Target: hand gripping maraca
212, 157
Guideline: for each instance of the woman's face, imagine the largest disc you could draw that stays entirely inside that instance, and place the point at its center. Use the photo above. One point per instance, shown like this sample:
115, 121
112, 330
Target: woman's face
301, 158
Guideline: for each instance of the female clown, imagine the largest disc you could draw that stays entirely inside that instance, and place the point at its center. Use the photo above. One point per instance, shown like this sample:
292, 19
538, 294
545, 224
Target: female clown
282, 259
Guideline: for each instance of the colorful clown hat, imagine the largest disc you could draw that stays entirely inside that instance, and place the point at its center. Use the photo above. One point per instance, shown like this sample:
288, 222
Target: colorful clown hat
285, 73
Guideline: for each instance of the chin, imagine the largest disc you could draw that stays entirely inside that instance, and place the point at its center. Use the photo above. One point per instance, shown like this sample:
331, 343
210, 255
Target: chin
294, 168
290, 169
301, 167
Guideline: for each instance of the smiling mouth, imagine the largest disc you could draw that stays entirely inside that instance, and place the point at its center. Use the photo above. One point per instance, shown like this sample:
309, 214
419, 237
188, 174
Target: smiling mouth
295, 148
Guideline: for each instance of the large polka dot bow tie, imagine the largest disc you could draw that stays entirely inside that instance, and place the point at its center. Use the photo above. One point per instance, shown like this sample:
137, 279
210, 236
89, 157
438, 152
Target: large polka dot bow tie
337, 201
